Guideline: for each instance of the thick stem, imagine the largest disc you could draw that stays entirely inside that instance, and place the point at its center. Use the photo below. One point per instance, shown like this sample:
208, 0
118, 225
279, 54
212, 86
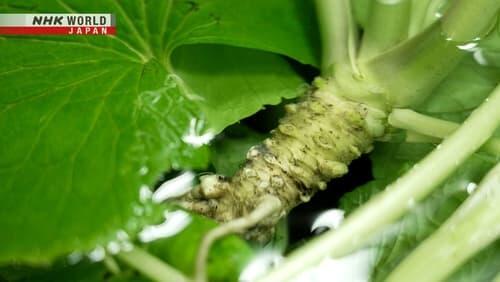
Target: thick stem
434, 127
411, 71
338, 34
397, 198
387, 26
435, 10
473, 226
424, 13
418, 12
151, 267
467, 20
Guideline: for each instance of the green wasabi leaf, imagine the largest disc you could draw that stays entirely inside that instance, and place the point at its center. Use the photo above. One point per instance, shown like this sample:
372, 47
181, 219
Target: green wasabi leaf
229, 150
86, 121
231, 83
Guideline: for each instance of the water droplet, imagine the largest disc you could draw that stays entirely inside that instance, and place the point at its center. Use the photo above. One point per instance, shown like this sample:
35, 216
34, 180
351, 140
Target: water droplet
174, 223
356, 266
479, 57
138, 210
126, 246
74, 258
174, 187
122, 235
330, 218
143, 170
469, 47
253, 152
113, 247
471, 187
260, 264
97, 254
145, 193
193, 136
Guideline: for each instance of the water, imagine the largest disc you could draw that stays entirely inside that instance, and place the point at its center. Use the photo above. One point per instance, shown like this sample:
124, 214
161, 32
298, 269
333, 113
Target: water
469, 47
471, 187
260, 264
143, 170
479, 57
97, 254
354, 267
75, 257
145, 193
330, 219
113, 247
193, 136
175, 222
174, 187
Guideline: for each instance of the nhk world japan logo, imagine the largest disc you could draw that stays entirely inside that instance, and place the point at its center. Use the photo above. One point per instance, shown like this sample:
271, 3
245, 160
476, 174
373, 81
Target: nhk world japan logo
57, 24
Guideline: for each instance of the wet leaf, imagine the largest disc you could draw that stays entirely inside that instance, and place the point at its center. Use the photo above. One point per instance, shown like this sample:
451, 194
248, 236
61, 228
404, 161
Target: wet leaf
86, 121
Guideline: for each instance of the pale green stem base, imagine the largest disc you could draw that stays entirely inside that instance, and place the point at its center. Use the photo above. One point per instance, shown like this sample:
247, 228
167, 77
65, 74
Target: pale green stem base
387, 26
410, 71
418, 13
457, 21
338, 35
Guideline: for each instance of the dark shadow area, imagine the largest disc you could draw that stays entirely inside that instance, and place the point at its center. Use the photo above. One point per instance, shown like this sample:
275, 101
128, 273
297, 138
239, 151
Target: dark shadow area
302, 217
